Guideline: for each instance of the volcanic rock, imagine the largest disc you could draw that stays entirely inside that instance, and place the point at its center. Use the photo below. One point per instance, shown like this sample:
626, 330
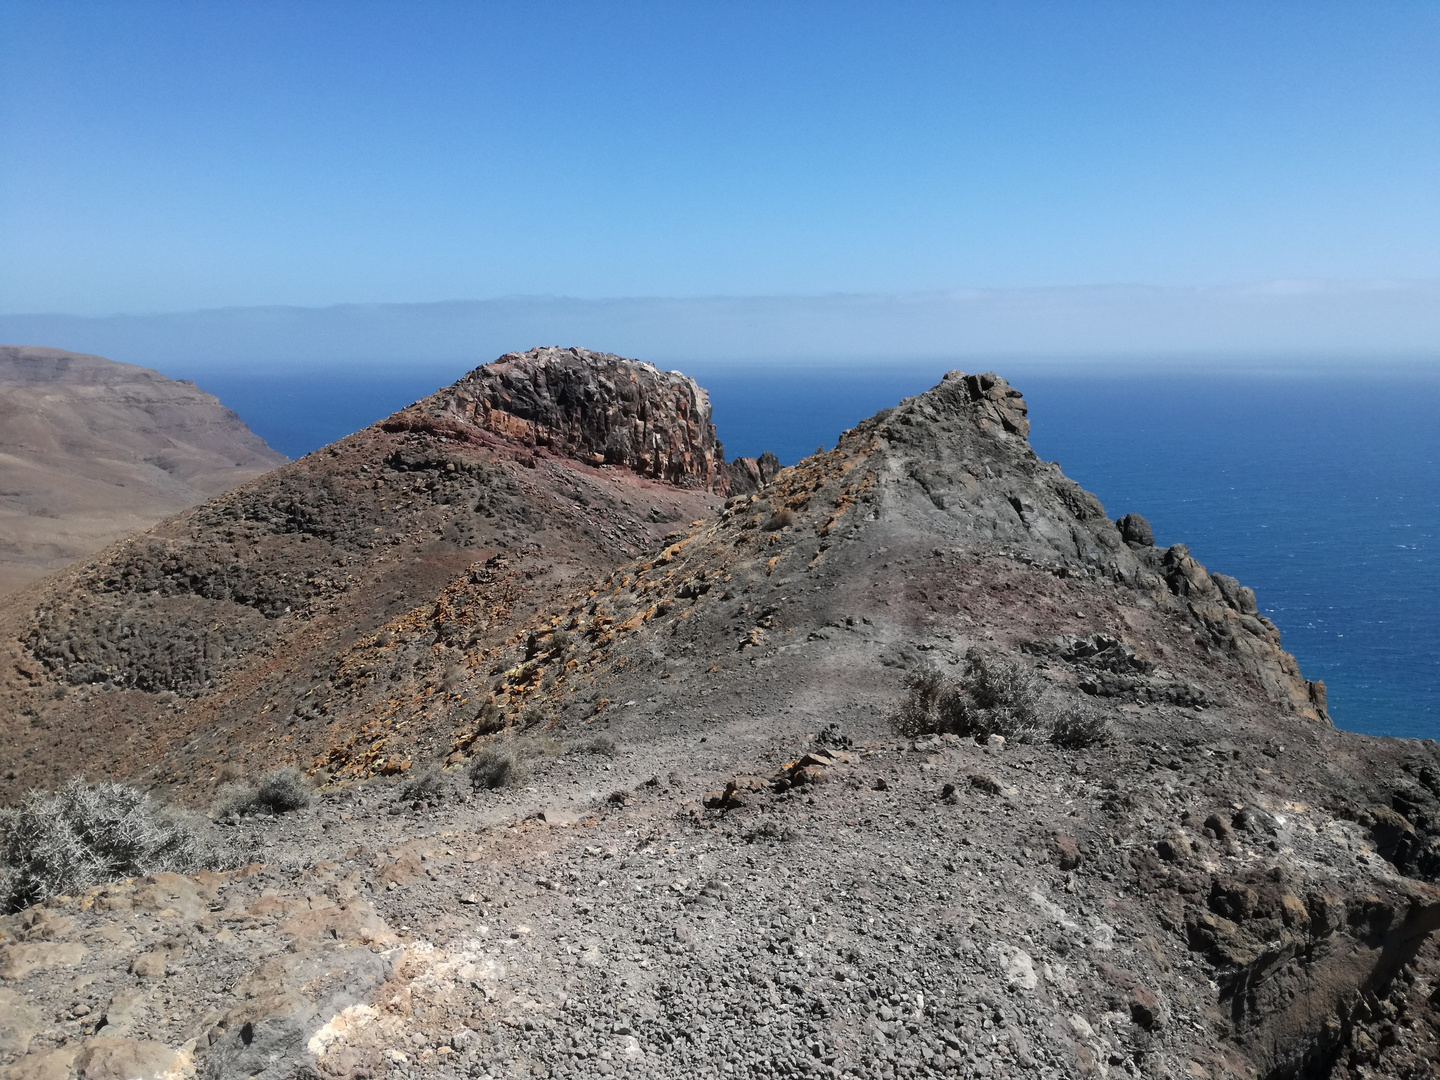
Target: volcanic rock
596, 407
1212, 883
1134, 529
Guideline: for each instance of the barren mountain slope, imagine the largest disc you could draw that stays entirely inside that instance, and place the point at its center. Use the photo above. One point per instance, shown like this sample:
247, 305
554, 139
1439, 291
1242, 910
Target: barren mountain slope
92, 450
720, 858
220, 624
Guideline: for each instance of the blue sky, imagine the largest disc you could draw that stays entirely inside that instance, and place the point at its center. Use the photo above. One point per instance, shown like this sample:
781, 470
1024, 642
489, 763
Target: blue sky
173, 156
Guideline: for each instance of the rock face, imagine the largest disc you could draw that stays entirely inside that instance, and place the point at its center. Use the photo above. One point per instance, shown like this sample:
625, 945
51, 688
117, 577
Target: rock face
747, 475
599, 408
720, 853
92, 450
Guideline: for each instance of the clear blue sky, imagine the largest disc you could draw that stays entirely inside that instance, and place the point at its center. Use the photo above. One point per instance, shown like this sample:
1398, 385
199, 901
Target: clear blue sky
168, 156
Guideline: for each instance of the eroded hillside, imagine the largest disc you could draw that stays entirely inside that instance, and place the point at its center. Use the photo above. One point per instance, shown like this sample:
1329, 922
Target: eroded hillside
713, 853
92, 450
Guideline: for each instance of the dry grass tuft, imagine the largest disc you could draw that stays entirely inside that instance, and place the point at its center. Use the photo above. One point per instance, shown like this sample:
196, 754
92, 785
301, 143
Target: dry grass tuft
428, 785
498, 767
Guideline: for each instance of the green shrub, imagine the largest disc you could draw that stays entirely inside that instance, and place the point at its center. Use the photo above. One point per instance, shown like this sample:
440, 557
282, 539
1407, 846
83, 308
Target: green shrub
86, 835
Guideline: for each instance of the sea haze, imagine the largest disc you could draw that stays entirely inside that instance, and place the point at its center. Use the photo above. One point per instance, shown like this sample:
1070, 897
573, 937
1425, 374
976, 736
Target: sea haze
1318, 488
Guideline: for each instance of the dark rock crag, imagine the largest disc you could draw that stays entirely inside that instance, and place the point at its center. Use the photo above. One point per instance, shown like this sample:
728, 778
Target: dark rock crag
748, 475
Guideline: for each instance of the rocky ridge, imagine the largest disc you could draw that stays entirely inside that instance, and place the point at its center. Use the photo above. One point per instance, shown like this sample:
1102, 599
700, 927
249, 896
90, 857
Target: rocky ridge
722, 860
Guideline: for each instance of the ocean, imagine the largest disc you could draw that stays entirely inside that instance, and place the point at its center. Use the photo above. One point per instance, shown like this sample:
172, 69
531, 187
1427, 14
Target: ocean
1318, 486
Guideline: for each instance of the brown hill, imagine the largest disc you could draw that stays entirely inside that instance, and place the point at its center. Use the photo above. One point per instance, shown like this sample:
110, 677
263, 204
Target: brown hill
911, 763
92, 450
204, 640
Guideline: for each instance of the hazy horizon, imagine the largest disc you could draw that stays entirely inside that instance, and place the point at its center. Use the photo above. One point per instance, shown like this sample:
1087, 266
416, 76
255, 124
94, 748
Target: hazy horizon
1277, 323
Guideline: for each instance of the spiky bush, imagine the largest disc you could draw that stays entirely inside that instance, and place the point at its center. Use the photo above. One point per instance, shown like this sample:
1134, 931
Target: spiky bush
284, 790
85, 835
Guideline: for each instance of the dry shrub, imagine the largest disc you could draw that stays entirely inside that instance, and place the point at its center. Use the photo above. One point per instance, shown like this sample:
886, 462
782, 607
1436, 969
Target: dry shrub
781, 519
497, 767
536, 716
85, 835
453, 679
232, 800
428, 784
284, 790
993, 696
1080, 727
281, 791
603, 745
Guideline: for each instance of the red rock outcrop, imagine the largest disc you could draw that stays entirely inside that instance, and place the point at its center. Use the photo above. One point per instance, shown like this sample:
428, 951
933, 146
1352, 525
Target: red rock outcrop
599, 408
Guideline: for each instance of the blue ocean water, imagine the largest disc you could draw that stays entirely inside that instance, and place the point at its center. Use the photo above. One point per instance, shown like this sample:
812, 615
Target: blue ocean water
1319, 488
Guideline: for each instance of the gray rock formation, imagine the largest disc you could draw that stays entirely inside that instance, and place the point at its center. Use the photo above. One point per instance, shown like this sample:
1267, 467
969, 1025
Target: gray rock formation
1134, 529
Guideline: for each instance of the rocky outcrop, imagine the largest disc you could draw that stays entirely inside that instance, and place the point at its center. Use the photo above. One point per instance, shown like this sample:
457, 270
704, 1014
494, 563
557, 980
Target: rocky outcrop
956, 464
597, 407
747, 475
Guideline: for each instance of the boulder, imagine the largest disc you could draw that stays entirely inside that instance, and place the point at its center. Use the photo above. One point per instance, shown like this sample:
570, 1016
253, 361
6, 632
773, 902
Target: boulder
1134, 529
18, 961
104, 1058
19, 1022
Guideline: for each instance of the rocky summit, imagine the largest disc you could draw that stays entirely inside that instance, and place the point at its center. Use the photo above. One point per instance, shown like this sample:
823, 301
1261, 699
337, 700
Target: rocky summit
623, 760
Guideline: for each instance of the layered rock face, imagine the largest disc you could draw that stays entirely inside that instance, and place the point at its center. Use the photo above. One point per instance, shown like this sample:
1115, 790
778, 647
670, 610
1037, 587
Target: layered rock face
599, 408
722, 853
